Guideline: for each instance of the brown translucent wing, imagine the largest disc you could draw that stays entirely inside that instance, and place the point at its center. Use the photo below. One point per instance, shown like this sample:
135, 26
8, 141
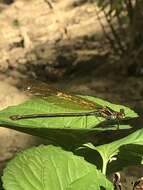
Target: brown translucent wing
44, 91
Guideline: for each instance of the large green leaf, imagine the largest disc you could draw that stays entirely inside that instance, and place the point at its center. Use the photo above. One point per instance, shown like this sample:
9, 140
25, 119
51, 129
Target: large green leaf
59, 128
49, 167
52, 105
129, 149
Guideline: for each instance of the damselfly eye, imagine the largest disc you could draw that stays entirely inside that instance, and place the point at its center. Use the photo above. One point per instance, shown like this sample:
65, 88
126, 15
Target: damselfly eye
113, 117
28, 87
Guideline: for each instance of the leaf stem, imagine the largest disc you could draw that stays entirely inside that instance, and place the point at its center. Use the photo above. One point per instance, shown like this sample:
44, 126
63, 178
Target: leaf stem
104, 166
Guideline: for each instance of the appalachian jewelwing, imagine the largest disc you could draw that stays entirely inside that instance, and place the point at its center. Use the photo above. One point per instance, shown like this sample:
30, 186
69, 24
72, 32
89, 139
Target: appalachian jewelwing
44, 90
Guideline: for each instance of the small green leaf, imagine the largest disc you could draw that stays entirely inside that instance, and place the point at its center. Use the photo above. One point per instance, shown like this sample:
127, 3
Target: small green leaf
109, 152
128, 155
49, 167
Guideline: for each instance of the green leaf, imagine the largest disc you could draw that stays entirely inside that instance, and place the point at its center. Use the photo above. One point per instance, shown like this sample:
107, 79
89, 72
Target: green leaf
57, 128
128, 155
53, 106
109, 152
49, 167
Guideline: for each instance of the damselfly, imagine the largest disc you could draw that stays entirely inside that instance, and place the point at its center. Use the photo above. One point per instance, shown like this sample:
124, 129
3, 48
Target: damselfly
43, 90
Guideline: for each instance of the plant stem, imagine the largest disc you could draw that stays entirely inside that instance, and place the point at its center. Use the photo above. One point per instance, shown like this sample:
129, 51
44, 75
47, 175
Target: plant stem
105, 162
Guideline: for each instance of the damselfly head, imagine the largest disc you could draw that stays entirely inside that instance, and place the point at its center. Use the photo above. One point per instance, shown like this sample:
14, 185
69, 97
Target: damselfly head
119, 115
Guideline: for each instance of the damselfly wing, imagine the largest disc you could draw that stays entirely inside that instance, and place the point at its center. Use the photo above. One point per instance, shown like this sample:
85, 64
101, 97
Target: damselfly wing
82, 106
